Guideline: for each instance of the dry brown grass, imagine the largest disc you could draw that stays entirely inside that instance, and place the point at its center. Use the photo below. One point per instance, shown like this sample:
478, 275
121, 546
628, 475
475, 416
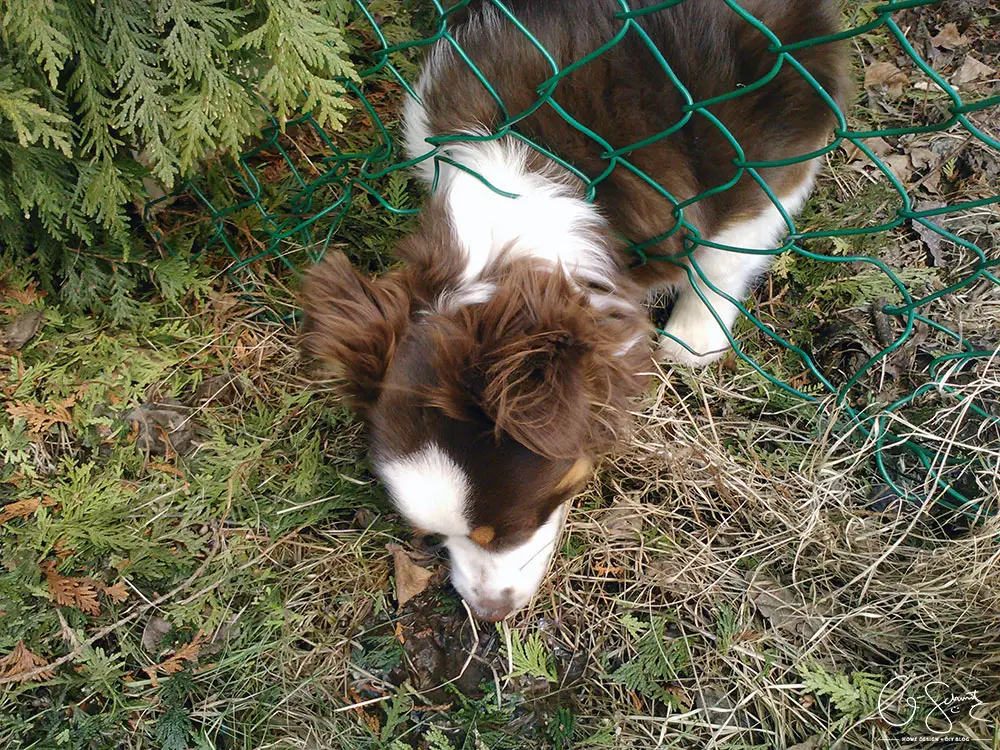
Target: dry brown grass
698, 520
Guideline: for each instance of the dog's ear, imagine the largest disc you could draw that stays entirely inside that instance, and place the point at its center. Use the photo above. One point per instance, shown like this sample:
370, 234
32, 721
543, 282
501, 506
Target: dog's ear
353, 324
543, 364
533, 389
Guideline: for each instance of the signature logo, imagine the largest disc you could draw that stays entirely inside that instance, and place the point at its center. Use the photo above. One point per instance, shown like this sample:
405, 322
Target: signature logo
902, 698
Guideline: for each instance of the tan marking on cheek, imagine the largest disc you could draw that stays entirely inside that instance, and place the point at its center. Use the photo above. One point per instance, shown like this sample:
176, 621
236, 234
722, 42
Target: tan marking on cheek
577, 474
482, 535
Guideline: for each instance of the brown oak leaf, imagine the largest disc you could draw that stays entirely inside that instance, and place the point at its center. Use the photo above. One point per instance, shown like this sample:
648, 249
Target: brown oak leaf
887, 75
950, 38
972, 70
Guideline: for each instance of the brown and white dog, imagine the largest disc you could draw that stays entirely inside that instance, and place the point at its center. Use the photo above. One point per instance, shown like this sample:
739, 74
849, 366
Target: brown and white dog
498, 361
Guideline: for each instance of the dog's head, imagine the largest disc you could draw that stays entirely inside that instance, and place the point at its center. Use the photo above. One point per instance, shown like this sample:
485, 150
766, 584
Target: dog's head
486, 403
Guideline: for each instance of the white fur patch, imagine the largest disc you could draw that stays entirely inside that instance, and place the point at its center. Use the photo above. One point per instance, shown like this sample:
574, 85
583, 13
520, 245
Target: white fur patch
468, 294
764, 230
512, 576
416, 127
545, 221
731, 272
430, 489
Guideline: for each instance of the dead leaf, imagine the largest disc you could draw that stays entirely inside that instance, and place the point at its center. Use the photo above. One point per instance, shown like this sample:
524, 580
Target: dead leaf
186, 653
154, 631
21, 330
61, 548
24, 508
887, 76
86, 598
928, 236
151, 674
162, 428
20, 661
950, 38
68, 591
623, 521
222, 389
41, 419
24, 296
117, 592
921, 157
612, 571
899, 165
411, 579
878, 146
222, 302
932, 182
779, 605
971, 70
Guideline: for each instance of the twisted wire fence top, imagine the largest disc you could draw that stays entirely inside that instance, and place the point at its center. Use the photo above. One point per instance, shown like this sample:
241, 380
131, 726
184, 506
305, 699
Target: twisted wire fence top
930, 439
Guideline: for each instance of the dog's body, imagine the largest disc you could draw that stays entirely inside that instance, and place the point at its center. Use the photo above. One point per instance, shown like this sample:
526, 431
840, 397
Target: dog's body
498, 362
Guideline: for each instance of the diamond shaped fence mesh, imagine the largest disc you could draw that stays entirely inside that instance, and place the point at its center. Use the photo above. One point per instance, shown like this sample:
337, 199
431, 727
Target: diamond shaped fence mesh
897, 250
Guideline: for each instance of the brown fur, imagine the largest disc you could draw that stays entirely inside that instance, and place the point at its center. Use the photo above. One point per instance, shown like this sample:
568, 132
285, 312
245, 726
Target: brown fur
530, 379
353, 325
625, 96
540, 362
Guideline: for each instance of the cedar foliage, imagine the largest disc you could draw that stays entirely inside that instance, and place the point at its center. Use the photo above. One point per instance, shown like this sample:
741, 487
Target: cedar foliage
94, 97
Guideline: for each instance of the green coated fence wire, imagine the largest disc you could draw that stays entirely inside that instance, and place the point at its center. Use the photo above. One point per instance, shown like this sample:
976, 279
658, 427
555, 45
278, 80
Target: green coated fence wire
310, 213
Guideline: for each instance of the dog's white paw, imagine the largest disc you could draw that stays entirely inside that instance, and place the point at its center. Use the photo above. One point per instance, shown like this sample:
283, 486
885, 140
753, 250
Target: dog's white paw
708, 342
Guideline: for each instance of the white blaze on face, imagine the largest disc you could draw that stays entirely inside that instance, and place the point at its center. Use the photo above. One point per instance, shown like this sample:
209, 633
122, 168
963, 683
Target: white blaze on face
431, 491
497, 583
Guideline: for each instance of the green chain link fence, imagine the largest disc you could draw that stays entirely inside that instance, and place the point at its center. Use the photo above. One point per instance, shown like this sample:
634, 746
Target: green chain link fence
337, 177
